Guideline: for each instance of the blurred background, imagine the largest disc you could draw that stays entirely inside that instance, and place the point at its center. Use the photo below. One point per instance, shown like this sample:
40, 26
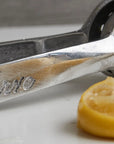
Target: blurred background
22, 19
44, 12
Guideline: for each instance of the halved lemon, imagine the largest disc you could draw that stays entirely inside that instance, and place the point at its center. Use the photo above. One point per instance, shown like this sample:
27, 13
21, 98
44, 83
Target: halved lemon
96, 109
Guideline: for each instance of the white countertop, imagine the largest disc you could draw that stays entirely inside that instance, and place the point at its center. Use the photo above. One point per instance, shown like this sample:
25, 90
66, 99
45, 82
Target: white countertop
48, 116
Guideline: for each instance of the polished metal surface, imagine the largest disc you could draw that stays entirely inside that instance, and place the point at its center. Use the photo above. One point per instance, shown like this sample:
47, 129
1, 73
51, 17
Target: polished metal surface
90, 31
10, 51
108, 28
48, 69
32, 64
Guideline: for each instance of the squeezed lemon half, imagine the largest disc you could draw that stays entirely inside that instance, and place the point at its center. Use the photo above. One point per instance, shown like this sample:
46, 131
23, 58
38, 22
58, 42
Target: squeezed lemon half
96, 109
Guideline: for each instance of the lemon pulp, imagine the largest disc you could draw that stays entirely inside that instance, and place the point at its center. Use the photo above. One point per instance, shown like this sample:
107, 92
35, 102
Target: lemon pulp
96, 109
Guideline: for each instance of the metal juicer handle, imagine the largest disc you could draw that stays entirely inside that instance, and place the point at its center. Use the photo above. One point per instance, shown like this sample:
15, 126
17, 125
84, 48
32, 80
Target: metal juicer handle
41, 71
94, 29
32, 64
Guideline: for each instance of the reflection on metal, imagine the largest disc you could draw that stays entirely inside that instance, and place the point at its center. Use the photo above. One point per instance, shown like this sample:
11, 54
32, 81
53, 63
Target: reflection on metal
8, 87
37, 63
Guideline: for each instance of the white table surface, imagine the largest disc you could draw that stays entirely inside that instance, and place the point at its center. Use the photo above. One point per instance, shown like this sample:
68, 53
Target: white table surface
48, 116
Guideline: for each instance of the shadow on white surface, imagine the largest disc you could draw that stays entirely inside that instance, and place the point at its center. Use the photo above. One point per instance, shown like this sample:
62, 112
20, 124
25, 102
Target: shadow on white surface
70, 128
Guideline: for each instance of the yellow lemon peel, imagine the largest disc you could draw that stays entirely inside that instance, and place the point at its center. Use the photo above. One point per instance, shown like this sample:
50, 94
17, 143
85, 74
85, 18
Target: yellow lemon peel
96, 109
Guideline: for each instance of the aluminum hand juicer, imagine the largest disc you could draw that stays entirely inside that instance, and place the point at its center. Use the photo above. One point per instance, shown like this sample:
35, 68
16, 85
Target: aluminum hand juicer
33, 64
